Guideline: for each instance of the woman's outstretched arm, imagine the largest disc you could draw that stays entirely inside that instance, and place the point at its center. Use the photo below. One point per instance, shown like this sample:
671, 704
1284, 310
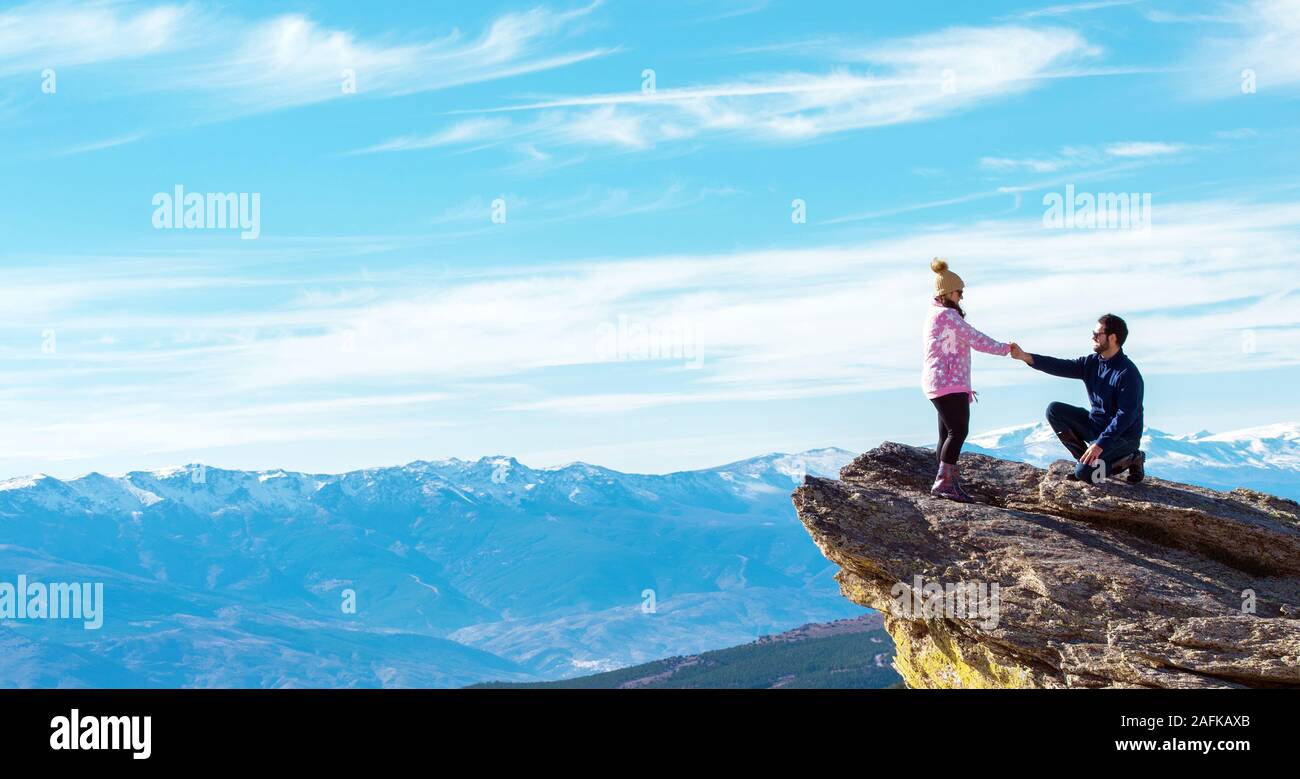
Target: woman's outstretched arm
974, 338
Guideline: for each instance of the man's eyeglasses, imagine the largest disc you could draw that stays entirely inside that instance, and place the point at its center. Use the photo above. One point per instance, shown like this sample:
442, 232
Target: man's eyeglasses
1098, 335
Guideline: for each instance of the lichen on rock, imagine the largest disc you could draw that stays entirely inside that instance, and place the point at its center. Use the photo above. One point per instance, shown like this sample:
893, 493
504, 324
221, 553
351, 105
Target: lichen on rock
1158, 584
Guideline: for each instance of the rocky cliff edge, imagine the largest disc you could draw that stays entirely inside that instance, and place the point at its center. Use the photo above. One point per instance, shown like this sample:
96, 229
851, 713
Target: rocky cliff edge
1048, 582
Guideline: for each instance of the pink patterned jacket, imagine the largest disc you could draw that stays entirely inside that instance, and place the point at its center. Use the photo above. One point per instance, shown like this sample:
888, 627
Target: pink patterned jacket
947, 341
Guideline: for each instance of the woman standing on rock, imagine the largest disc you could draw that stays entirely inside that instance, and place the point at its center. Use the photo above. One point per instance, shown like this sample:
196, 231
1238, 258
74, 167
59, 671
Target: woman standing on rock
948, 340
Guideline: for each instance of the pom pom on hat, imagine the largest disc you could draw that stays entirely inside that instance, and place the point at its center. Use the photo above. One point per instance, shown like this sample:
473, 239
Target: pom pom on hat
945, 281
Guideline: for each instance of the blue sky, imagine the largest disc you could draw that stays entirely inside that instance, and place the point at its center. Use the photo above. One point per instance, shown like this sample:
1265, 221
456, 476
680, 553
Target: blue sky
567, 231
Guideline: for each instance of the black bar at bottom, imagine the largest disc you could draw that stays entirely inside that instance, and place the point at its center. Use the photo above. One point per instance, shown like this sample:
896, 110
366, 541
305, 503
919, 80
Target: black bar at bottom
333, 728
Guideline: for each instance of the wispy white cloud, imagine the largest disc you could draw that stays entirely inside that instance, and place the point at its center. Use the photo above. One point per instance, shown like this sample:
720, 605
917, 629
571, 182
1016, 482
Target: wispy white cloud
352, 362
1259, 36
61, 34
1079, 164
621, 403
1033, 164
475, 208
1074, 8
592, 203
470, 131
1145, 149
902, 80
148, 427
1076, 157
1226, 15
106, 143
243, 65
860, 216
721, 12
292, 60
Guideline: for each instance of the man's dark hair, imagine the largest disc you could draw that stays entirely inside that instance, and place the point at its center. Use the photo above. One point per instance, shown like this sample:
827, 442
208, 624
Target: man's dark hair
1114, 326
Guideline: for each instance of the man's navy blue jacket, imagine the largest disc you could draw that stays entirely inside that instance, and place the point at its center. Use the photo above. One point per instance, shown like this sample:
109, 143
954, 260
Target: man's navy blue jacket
1114, 387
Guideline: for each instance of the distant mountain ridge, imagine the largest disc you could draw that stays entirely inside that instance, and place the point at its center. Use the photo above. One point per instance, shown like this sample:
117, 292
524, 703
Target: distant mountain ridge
1268, 452
1265, 458
845, 654
462, 571
499, 477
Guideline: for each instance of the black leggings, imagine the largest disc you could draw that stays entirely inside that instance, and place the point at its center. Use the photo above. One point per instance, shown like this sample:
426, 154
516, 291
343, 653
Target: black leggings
954, 424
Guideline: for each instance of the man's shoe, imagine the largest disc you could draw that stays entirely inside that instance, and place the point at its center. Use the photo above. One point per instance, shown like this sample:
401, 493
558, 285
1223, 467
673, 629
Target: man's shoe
1136, 467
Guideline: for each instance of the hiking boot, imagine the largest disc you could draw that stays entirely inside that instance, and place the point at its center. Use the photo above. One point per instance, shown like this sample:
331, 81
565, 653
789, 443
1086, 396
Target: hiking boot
945, 485
959, 494
1136, 467
942, 479
956, 485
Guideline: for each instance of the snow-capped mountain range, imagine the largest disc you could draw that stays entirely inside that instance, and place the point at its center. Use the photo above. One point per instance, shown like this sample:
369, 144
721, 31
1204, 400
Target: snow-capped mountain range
1264, 458
462, 571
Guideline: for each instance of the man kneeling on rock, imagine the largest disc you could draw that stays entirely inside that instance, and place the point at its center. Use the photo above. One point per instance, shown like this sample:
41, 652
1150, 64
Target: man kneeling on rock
1114, 425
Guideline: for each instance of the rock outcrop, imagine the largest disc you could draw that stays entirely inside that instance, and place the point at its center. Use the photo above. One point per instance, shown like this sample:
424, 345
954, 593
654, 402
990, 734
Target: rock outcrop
1049, 582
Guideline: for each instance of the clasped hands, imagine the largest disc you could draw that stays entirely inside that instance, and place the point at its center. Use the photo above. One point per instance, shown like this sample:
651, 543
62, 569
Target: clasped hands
1093, 452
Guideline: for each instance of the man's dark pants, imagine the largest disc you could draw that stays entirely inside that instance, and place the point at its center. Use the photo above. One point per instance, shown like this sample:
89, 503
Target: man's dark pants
1071, 426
